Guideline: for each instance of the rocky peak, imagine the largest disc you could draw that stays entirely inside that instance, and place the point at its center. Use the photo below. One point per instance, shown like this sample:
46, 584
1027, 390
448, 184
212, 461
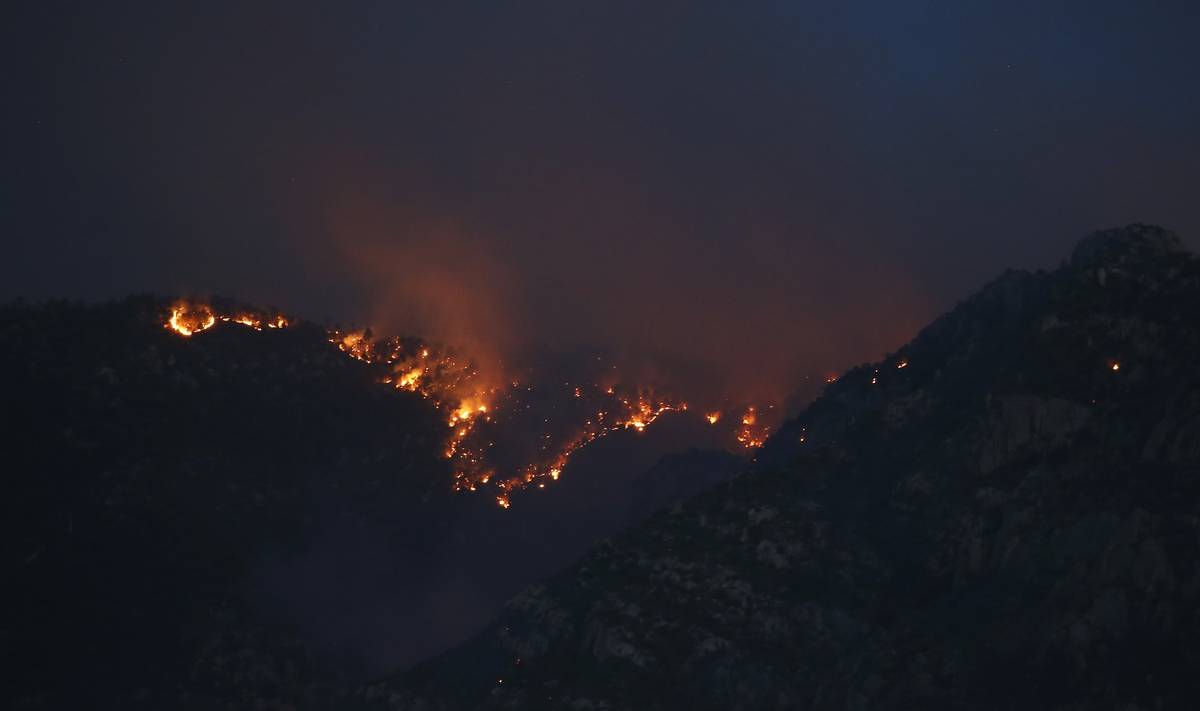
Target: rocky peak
1118, 247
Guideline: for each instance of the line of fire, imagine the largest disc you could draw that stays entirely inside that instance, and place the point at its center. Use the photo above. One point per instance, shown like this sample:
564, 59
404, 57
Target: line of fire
452, 384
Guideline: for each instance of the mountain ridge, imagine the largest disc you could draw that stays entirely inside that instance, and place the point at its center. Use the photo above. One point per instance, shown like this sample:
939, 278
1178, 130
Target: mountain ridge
1000, 514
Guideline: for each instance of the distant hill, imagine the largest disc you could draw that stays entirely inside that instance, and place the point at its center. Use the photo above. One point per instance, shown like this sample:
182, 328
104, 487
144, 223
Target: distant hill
1003, 514
147, 475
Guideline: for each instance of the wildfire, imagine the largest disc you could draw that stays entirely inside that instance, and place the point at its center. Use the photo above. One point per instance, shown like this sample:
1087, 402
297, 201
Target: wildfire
468, 410
752, 434
471, 409
409, 379
644, 412
356, 344
254, 322
188, 319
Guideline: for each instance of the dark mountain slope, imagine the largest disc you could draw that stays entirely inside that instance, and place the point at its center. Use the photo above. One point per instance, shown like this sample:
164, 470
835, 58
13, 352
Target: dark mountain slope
146, 478
1003, 514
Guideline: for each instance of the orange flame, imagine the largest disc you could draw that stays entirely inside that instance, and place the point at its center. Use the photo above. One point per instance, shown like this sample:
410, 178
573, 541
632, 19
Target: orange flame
187, 320
751, 434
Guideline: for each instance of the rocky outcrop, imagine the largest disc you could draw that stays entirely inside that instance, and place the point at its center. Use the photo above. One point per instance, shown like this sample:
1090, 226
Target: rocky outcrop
1024, 424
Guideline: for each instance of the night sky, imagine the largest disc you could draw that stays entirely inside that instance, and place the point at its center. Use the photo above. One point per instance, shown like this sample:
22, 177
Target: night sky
684, 182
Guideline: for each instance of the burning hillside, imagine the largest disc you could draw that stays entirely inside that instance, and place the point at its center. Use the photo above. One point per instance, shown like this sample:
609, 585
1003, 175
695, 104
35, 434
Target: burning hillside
500, 438
188, 319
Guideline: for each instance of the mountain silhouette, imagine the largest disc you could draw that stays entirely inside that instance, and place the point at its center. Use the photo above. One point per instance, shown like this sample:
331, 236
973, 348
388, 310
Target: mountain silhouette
1002, 514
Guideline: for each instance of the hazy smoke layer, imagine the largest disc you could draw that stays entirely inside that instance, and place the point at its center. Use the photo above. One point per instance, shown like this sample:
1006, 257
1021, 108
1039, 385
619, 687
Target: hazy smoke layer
737, 195
744, 318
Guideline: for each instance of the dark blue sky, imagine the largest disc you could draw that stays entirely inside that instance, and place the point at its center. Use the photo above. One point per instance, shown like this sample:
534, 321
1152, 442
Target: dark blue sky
683, 180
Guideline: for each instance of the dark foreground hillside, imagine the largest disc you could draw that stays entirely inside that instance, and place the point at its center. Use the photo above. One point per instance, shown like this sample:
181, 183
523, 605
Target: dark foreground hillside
148, 478
1004, 514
